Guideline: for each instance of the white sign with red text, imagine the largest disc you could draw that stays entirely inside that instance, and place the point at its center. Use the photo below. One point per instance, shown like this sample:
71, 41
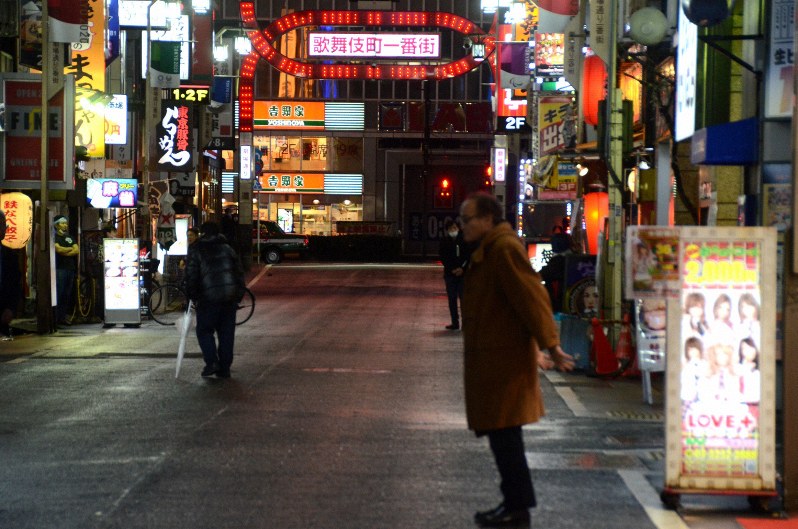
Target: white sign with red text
374, 45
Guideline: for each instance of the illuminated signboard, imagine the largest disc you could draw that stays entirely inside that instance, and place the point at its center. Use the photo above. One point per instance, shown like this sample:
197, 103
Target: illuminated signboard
263, 42
304, 115
189, 93
178, 32
245, 153
88, 67
686, 75
499, 164
292, 182
112, 192
174, 138
375, 45
720, 430
116, 121
549, 54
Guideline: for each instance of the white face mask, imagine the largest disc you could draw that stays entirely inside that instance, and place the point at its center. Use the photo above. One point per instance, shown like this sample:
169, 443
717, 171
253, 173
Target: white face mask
453, 234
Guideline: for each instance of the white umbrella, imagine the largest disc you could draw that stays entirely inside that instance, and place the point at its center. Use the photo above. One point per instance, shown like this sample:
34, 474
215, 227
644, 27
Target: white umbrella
184, 325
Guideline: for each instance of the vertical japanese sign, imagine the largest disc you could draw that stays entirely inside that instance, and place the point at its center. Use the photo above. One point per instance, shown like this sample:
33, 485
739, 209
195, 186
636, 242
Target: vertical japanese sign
720, 432
173, 133
556, 124
88, 66
30, 33
18, 208
21, 157
781, 60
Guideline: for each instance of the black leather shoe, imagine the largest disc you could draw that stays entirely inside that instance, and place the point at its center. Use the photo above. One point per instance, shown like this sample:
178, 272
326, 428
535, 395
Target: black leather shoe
210, 370
452, 327
223, 373
502, 516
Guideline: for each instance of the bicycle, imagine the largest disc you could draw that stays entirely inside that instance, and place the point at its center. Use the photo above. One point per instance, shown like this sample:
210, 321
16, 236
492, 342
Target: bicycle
168, 303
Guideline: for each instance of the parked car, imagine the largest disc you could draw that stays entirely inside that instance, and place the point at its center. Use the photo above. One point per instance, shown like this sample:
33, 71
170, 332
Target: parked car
275, 243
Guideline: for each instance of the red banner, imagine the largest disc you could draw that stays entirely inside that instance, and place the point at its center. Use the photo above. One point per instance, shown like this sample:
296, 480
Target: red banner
23, 101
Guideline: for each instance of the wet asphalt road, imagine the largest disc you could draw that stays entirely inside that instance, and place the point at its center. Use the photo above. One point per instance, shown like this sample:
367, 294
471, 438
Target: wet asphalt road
344, 410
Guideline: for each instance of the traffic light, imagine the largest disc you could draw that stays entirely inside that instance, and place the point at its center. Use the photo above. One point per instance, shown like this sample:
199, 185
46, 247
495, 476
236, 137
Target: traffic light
487, 180
443, 198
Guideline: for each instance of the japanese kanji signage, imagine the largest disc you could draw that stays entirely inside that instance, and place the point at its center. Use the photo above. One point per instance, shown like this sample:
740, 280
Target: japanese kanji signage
112, 192
88, 66
174, 140
375, 45
781, 60
305, 115
556, 124
18, 208
292, 182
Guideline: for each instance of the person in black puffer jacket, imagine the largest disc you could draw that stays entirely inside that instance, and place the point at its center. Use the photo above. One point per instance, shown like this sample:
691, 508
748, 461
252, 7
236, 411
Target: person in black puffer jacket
215, 283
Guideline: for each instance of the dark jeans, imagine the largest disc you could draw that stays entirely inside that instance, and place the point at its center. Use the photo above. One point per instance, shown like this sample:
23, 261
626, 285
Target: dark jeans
218, 318
507, 446
64, 287
454, 291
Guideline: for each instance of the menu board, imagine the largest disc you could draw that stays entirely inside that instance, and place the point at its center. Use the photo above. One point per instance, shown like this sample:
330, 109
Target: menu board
721, 362
121, 274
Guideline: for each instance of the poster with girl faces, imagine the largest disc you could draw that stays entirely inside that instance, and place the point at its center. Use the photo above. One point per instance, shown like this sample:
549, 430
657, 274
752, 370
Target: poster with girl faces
721, 361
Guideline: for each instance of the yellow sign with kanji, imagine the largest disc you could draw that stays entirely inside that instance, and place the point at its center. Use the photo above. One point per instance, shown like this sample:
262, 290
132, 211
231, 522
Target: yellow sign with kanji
88, 67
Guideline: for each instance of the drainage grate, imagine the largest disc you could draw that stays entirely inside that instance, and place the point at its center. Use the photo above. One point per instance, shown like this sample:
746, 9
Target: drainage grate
636, 416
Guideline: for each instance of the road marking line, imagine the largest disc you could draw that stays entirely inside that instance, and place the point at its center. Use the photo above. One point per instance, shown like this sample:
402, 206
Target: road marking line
572, 401
647, 496
260, 274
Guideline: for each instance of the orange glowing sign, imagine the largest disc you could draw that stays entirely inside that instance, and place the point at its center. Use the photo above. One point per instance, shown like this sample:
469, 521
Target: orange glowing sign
304, 115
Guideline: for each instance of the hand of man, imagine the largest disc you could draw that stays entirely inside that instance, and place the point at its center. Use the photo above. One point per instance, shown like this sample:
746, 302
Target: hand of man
457, 272
555, 357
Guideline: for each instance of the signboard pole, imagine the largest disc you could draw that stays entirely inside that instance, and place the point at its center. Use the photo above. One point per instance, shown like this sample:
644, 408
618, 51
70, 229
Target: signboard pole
44, 299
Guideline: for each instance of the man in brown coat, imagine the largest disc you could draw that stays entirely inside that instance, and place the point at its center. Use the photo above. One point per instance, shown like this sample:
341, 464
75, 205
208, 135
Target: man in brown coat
507, 322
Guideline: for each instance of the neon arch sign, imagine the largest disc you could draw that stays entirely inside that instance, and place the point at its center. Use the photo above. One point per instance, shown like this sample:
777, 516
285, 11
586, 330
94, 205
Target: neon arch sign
263, 47
262, 42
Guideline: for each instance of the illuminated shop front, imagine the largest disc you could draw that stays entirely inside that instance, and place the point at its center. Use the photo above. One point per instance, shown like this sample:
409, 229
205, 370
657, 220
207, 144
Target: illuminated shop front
309, 175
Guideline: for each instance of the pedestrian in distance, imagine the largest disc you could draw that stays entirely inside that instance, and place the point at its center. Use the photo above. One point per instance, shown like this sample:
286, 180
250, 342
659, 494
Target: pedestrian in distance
454, 254
66, 268
507, 325
10, 283
215, 283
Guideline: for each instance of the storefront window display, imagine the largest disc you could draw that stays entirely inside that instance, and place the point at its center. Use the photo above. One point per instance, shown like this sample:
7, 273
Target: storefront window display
291, 153
308, 214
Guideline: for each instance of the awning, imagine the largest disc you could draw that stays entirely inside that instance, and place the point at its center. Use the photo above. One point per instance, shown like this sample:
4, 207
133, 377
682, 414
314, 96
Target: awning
735, 143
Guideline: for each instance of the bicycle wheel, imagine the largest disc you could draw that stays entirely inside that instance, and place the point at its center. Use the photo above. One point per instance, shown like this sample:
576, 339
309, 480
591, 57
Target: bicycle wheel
167, 304
245, 307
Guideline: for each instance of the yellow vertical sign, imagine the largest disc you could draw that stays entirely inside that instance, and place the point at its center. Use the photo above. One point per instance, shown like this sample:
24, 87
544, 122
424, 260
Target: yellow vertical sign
88, 67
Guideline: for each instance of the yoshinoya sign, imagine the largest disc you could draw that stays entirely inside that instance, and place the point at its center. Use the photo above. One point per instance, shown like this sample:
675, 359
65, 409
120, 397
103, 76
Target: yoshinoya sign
307, 115
375, 45
175, 143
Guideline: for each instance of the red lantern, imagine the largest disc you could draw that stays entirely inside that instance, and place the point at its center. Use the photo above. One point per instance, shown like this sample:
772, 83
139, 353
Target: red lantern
597, 206
594, 88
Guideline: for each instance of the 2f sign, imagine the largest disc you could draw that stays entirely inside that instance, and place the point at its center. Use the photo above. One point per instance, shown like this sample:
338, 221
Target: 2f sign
514, 123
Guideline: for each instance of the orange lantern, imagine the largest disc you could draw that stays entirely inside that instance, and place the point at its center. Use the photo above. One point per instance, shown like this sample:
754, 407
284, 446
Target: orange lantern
18, 208
597, 206
594, 88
